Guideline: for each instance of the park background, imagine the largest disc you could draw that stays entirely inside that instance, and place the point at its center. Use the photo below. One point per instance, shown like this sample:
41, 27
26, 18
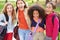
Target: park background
31, 2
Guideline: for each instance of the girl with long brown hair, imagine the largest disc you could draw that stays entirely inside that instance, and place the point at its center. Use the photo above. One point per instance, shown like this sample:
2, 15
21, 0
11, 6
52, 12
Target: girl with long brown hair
23, 28
9, 12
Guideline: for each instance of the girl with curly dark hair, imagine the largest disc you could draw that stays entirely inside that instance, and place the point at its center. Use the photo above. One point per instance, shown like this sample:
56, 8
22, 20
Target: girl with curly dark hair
36, 12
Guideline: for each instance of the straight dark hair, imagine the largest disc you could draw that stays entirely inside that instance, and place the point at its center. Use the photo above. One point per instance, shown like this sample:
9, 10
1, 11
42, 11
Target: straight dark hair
24, 3
53, 6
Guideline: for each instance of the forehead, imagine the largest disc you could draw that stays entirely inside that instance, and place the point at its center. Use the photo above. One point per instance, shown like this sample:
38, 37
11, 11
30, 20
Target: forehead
35, 11
9, 5
49, 5
20, 1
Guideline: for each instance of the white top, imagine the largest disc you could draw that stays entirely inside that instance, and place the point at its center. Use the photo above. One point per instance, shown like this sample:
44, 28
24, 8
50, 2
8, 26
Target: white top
10, 25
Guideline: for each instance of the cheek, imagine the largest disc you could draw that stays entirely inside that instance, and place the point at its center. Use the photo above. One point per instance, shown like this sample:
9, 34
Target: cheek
18, 4
23, 4
48, 9
11, 10
33, 14
36, 15
7, 10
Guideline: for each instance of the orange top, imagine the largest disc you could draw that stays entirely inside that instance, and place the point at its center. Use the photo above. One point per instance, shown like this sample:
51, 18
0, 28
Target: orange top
22, 21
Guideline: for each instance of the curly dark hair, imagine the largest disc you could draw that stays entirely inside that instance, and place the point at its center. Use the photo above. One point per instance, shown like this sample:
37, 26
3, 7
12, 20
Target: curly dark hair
39, 9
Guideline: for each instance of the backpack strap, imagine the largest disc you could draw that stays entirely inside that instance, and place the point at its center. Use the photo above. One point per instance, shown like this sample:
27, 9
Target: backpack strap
6, 16
53, 19
37, 25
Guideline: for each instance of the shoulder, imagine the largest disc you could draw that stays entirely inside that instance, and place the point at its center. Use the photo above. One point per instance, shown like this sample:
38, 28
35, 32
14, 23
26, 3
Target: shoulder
1, 15
55, 18
26, 9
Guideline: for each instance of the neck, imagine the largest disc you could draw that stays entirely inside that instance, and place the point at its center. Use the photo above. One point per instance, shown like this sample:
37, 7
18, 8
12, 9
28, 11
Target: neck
36, 18
21, 9
49, 12
9, 14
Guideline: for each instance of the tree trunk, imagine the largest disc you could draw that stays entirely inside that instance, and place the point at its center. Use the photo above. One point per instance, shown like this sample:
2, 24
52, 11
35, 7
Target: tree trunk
6, 1
56, 1
37, 1
47, 1
32, 1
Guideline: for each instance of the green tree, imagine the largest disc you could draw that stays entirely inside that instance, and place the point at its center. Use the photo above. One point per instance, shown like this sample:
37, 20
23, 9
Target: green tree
6, 1
47, 1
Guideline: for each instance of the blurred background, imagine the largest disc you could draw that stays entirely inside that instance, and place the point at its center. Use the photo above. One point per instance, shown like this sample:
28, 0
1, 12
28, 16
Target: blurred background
31, 2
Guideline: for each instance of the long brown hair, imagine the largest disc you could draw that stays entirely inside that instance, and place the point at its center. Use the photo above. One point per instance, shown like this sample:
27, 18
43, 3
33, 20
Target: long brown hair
13, 11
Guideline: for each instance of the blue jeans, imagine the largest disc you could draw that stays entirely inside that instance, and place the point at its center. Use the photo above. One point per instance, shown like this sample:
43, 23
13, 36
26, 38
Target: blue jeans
23, 34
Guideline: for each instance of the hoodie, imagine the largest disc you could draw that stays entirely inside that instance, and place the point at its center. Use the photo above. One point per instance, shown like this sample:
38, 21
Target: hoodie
52, 29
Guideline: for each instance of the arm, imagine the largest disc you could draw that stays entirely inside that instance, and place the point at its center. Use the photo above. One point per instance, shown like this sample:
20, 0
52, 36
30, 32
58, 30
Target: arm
1, 19
55, 29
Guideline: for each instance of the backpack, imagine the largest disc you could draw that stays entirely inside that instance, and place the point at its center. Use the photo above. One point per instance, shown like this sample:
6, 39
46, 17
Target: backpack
57, 15
16, 36
3, 29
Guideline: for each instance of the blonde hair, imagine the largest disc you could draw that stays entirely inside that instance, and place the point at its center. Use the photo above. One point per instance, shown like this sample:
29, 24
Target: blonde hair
13, 11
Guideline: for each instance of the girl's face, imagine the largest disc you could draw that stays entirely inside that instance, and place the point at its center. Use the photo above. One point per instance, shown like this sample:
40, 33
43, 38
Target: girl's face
9, 9
35, 14
20, 4
49, 8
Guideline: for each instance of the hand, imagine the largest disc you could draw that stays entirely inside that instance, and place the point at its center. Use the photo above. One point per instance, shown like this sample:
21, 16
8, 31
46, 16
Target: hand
17, 24
4, 24
30, 33
41, 29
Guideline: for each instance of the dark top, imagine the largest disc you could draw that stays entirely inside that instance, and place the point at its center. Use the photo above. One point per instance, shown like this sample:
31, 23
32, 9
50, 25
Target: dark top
59, 25
33, 23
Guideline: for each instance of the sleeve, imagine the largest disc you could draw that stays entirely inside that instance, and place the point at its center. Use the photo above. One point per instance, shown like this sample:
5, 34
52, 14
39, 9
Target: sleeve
45, 21
15, 23
55, 29
44, 24
1, 19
